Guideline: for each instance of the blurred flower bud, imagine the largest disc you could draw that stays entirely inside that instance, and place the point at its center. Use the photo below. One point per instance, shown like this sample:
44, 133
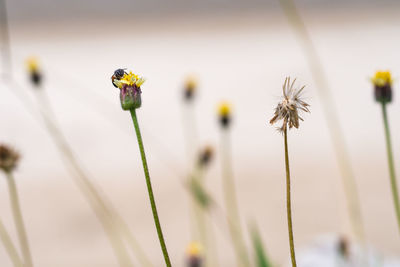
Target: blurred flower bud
205, 156
35, 74
190, 88
224, 113
8, 158
194, 255
382, 82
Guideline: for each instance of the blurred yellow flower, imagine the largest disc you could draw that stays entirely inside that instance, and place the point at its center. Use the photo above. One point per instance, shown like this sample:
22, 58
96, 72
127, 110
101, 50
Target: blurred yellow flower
224, 109
32, 64
382, 78
194, 249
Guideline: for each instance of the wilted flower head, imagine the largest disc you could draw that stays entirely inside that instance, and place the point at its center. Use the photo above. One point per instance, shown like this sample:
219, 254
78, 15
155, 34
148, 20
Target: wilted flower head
382, 82
8, 158
129, 85
288, 109
190, 88
194, 253
205, 156
224, 114
35, 74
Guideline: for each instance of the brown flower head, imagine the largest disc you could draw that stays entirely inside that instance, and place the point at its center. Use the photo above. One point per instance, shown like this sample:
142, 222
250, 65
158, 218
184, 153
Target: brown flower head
8, 158
288, 109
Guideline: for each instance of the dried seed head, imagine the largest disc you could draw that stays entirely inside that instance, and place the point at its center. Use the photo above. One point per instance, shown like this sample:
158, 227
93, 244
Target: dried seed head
35, 74
194, 255
8, 158
224, 114
382, 82
290, 106
129, 86
190, 88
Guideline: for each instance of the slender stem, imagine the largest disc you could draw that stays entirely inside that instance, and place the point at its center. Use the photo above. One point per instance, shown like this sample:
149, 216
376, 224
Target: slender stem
9, 246
150, 189
231, 203
331, 117
288, 202
19, 222
392, 172
6, 57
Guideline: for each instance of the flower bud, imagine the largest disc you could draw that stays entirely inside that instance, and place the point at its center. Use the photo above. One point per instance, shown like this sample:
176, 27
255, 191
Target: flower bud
129, 86
382, 82
194, 253
8, 158
130, 97
35, 74
224, 113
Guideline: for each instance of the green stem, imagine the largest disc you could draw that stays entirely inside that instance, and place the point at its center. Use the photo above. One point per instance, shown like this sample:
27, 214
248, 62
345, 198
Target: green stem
288, 202
9, 246
150, 189
19, 222
392, 172
231, 203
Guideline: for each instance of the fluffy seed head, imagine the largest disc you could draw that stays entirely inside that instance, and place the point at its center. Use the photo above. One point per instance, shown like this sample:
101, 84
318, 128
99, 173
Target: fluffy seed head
8, 158
290, 106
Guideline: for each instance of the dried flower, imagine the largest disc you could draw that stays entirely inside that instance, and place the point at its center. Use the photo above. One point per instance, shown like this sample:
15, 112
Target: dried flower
129, 85
224, 112
8, 158
194, 252
382, 82
35, 74
190, 88
288, 109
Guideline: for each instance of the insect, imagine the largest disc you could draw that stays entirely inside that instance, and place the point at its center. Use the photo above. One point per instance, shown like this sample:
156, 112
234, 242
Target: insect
118, 74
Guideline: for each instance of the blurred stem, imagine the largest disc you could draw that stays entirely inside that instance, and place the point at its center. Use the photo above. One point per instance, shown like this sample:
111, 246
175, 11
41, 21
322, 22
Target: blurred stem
288, 201
9, 246
19, 221
190, 137
332, 120
392, 172
6, 53
150, 189
204, 233
94, 198
231, 204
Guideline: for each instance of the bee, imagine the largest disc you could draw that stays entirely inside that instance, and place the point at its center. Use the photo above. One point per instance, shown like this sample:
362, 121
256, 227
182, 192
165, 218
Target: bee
118, 74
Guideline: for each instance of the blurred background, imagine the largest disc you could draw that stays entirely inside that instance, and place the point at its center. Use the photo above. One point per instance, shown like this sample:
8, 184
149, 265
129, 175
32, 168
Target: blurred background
241, 52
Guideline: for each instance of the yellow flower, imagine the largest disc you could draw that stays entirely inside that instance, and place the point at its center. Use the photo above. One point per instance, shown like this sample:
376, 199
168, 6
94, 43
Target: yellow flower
224, 109
32, 64
194, 249
382, 78
129, 79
